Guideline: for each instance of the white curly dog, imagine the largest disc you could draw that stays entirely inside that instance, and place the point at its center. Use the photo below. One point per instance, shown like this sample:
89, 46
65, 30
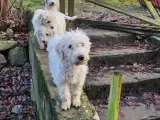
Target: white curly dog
48, 23
68, 56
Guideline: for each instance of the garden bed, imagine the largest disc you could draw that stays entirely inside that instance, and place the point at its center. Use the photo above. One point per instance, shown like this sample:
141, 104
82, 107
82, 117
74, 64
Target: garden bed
15, 99
15, 70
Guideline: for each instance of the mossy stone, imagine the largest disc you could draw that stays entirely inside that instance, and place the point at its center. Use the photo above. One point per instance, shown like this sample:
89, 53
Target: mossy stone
7, 44
17, 56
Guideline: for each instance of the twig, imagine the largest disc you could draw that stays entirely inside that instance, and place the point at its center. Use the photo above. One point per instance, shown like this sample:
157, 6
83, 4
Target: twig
10, 8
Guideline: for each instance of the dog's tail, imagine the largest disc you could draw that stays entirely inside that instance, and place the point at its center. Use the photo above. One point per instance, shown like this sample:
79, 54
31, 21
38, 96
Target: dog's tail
70, 18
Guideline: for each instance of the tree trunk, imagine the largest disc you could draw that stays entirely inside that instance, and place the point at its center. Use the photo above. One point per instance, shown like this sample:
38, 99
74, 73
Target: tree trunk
0, 7
71, 7
62, 6
4, 8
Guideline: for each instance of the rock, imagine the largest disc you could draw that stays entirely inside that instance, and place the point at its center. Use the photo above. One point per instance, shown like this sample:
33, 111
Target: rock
121, 66
112, 67
5, 45
17, 109
9, 31
2, 61
157, 70
128, 67
135, 65
17, 56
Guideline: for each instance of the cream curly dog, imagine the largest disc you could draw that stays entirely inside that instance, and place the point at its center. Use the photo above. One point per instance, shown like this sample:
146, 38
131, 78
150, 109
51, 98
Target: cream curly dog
43, 36
68, 56
47, 22
44, 24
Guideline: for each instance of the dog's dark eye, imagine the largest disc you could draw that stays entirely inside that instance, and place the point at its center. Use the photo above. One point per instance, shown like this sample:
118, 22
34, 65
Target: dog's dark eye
52, 27
82, 44
48, 21
70, 46
52, 3
47, 34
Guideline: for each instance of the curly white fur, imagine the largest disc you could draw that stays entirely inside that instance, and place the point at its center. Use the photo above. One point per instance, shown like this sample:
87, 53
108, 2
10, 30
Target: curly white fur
61, 20
54, 21
44, 35
68, 56
43, 23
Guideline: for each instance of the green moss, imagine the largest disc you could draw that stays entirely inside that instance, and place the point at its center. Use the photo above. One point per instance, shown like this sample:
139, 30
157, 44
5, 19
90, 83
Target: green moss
7, 44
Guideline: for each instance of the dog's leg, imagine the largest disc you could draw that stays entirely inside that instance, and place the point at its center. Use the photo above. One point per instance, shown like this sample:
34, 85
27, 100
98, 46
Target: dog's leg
41, 44
76, 91
65, 95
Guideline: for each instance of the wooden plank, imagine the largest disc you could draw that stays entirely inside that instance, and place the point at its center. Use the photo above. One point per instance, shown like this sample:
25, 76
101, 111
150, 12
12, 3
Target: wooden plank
136, 29
62, 6
114, 96
71, 7
116, 24
152, 10
117, 9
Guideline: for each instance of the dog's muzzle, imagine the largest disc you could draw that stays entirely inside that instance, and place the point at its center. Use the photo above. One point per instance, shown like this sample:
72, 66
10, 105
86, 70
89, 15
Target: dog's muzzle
81, 60
81, 57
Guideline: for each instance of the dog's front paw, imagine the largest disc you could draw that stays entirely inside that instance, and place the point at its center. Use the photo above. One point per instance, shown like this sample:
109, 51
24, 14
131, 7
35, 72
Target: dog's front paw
76, 102
65, 105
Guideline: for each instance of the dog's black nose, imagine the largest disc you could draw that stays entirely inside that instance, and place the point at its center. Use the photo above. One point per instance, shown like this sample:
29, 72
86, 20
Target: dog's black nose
81, 57
52, 3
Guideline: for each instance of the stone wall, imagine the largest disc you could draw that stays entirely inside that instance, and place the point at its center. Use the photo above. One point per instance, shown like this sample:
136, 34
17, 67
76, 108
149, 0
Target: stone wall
11, 53
45, 94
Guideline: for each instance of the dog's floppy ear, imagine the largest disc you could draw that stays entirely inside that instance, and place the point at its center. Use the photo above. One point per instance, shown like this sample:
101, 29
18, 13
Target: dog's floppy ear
59, 50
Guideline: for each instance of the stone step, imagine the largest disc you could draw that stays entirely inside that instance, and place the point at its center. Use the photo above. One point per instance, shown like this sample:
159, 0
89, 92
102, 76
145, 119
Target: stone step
133, 107
114, 57
103, 38
117, 51
135, 81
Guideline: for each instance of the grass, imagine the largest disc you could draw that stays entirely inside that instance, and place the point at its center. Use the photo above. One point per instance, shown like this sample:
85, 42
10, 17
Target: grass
28, 3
